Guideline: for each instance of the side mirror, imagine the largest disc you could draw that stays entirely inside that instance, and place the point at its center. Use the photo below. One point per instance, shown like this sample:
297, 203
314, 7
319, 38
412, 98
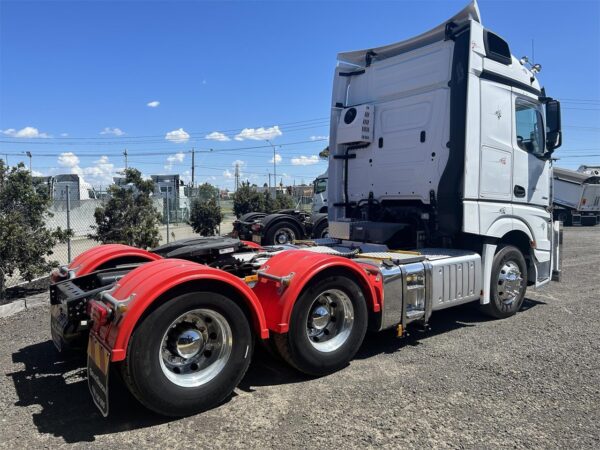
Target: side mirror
553, 126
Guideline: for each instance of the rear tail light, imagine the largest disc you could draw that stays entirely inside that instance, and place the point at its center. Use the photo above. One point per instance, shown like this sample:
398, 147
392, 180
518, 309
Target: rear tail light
99, 313
256, 227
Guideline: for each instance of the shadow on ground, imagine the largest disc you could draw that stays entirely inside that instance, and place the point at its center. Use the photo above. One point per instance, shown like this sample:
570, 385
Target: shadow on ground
58, 383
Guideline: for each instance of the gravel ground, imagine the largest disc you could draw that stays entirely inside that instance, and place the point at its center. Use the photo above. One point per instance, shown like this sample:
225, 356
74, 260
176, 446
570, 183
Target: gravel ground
531, 381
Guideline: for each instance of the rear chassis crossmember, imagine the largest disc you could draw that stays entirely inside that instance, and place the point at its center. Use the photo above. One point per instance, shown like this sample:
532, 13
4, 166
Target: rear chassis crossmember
69, 304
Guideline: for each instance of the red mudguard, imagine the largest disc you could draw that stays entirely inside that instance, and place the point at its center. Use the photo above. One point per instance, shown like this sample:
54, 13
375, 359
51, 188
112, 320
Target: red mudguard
303, 266
91, 259
142, 286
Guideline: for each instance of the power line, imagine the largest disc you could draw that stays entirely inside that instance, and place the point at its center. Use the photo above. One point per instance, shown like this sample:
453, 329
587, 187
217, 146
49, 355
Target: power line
197, 135
204, 151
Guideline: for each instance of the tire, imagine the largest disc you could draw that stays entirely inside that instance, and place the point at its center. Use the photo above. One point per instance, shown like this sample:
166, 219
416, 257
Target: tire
282, 232
321, 231
169, 384
321, 354
508, 283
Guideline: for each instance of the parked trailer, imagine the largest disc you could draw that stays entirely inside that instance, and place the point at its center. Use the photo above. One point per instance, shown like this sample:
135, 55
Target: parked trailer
576, 197
423, 156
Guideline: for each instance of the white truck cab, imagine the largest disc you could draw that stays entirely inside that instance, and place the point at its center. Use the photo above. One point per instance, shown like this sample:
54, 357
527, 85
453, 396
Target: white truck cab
319, 200
445, 140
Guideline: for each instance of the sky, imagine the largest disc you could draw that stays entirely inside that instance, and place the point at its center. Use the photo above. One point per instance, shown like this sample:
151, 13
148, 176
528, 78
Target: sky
81, 81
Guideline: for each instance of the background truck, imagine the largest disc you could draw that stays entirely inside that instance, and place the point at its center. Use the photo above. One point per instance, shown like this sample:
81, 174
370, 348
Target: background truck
576, 197
287, 226
319, 201
280, 228
440, 169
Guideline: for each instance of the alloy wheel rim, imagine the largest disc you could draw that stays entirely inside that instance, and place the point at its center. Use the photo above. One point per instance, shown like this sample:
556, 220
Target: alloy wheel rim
330, 320
195, 347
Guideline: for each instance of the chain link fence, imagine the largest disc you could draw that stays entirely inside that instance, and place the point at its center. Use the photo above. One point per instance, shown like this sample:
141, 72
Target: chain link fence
78, 216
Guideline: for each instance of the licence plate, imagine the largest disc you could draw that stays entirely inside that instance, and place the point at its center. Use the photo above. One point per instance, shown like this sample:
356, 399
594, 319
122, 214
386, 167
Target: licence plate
98, 362
257, 238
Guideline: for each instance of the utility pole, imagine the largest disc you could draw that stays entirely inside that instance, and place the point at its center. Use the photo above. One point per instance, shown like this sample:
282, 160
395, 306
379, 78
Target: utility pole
237, 176
193, 165
28, 153
274, 165
125, 155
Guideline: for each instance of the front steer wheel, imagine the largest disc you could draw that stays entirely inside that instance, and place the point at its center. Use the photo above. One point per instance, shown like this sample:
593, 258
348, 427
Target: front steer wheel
508, 283
327, 326
189, 354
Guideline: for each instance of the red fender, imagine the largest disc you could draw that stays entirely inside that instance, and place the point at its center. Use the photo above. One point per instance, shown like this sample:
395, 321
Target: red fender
143, 285
305, 265
93, 258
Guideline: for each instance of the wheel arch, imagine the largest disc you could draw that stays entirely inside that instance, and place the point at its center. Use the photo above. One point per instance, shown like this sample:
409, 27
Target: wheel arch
521, 240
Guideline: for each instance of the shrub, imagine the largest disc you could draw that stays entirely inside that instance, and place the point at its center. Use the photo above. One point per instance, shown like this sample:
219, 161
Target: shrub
129, 217
25, 242
205, 212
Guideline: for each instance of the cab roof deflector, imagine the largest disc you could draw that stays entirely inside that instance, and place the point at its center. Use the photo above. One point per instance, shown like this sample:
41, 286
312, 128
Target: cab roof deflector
360, 57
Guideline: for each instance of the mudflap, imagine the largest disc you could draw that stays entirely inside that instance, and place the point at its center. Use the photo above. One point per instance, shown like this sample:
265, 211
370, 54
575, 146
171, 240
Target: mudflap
98, 368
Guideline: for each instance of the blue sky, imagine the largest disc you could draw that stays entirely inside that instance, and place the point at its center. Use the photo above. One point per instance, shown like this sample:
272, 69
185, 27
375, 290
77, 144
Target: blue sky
76, 79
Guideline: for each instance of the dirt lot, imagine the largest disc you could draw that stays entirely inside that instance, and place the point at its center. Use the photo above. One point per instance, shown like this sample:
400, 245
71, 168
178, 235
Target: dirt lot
531, 381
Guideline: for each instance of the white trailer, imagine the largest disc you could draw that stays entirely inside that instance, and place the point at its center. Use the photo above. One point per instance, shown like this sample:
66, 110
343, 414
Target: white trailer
576, 197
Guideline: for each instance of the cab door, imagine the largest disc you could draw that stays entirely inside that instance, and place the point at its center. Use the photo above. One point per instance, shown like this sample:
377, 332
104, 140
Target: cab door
531, 171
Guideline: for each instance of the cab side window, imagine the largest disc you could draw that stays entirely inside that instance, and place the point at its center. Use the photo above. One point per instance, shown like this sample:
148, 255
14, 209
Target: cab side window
529, 127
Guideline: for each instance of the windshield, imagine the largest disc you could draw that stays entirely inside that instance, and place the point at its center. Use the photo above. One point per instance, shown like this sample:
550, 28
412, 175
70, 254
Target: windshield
320, 185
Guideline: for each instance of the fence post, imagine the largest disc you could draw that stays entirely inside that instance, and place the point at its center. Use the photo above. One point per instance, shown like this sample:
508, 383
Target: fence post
68, 224
168, 217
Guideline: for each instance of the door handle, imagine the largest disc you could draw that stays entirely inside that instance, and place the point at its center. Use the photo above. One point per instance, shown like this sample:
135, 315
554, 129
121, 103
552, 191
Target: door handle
519, 191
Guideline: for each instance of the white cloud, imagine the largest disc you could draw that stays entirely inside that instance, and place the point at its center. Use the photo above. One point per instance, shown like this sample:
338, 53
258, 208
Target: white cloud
305, 160
217, 136
172, 159
228, 174
277, 158
259, 134
238, 162
64, 134
26, 133
68, 159
153, 104
177, 136
113, 131
100, 173
318, 138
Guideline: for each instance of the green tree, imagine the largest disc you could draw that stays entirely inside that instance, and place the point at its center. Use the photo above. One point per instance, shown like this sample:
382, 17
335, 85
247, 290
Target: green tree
25, 242
247, 199
129, 217
205, 211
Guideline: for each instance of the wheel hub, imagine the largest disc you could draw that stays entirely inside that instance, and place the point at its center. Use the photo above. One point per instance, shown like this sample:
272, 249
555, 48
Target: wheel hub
320, 317
509, 282
189, 343
284, 236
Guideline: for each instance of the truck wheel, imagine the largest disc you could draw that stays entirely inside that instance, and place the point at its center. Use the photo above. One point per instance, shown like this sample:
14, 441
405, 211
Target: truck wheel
508, 283
282, 233
189, 354
327, 326
322, 231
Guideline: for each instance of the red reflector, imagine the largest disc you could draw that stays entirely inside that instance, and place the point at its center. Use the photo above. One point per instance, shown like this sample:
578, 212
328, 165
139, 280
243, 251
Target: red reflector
256, 227
584, 201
